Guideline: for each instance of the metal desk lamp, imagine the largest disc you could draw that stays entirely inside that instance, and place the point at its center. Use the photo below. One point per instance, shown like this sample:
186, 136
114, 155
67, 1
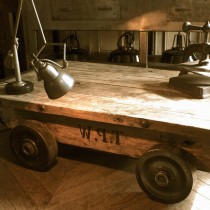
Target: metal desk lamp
56, 83
194, 77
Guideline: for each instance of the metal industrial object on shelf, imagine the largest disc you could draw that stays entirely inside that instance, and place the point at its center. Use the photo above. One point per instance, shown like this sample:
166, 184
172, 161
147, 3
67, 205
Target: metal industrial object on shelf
125, 53
74, 52
192, 79
176, 53
197, 51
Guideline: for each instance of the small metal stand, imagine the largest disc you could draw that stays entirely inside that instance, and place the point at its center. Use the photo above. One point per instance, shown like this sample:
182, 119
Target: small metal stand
194, 80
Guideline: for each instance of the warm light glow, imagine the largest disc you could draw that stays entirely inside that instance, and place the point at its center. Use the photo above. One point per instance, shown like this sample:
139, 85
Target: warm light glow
201, 200
145, 21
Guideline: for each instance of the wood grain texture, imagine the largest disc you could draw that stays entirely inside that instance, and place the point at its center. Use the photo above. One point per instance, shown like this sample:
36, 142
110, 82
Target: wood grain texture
83, 179
112, 89
109, 106
161, 15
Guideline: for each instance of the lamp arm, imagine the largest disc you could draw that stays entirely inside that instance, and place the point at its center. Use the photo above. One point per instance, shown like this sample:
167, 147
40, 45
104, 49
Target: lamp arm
36, 71
15, 44
65, 62
38, 21
17, 21
51, 62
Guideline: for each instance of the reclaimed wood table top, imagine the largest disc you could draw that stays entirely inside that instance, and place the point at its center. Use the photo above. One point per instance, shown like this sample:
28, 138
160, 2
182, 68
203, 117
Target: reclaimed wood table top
116, 94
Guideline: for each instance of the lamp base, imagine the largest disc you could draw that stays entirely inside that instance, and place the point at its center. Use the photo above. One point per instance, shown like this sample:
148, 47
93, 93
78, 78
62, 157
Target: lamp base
195, 85
17, 88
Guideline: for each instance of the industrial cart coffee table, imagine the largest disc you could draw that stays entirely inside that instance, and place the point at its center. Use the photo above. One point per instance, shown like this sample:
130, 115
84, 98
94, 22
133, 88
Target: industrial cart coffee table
117, 109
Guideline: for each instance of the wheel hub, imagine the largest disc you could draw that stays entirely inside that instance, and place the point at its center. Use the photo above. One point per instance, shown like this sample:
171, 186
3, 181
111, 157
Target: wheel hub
29, 148
162, 178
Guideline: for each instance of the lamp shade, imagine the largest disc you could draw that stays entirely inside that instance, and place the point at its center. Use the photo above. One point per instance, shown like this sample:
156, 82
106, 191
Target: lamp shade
59, 86
56, 83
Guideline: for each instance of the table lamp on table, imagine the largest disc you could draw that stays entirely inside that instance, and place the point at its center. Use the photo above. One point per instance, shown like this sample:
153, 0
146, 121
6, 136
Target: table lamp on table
56, 83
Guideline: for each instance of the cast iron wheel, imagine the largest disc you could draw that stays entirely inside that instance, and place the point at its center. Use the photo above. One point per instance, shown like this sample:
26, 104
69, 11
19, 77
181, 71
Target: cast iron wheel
164, 175
33, 144
193, 53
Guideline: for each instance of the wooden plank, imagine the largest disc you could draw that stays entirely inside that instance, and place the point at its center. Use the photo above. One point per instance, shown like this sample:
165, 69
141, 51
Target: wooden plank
150, 98
119, 139
143, 46
158, 15
118, 109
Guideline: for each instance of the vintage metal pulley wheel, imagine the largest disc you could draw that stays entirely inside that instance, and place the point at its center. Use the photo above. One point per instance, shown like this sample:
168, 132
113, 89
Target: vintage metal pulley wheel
33, 144
194, 53
165, 175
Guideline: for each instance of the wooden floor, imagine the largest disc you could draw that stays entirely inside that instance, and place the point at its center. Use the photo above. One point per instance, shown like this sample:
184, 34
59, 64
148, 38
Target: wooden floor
83, 179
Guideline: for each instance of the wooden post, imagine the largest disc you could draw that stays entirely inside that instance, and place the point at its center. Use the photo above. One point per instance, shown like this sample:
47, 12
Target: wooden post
143, 46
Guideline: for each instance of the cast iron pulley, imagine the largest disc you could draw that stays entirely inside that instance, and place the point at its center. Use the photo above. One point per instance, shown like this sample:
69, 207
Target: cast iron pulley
165, 175
33, 144
195, 52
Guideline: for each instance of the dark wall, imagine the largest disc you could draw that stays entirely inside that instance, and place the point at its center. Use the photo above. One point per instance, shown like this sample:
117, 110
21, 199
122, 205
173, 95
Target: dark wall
8, 7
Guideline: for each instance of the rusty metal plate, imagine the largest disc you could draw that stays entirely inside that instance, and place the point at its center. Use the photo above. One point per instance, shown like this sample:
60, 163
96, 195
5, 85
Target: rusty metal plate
188, 10
85, 9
